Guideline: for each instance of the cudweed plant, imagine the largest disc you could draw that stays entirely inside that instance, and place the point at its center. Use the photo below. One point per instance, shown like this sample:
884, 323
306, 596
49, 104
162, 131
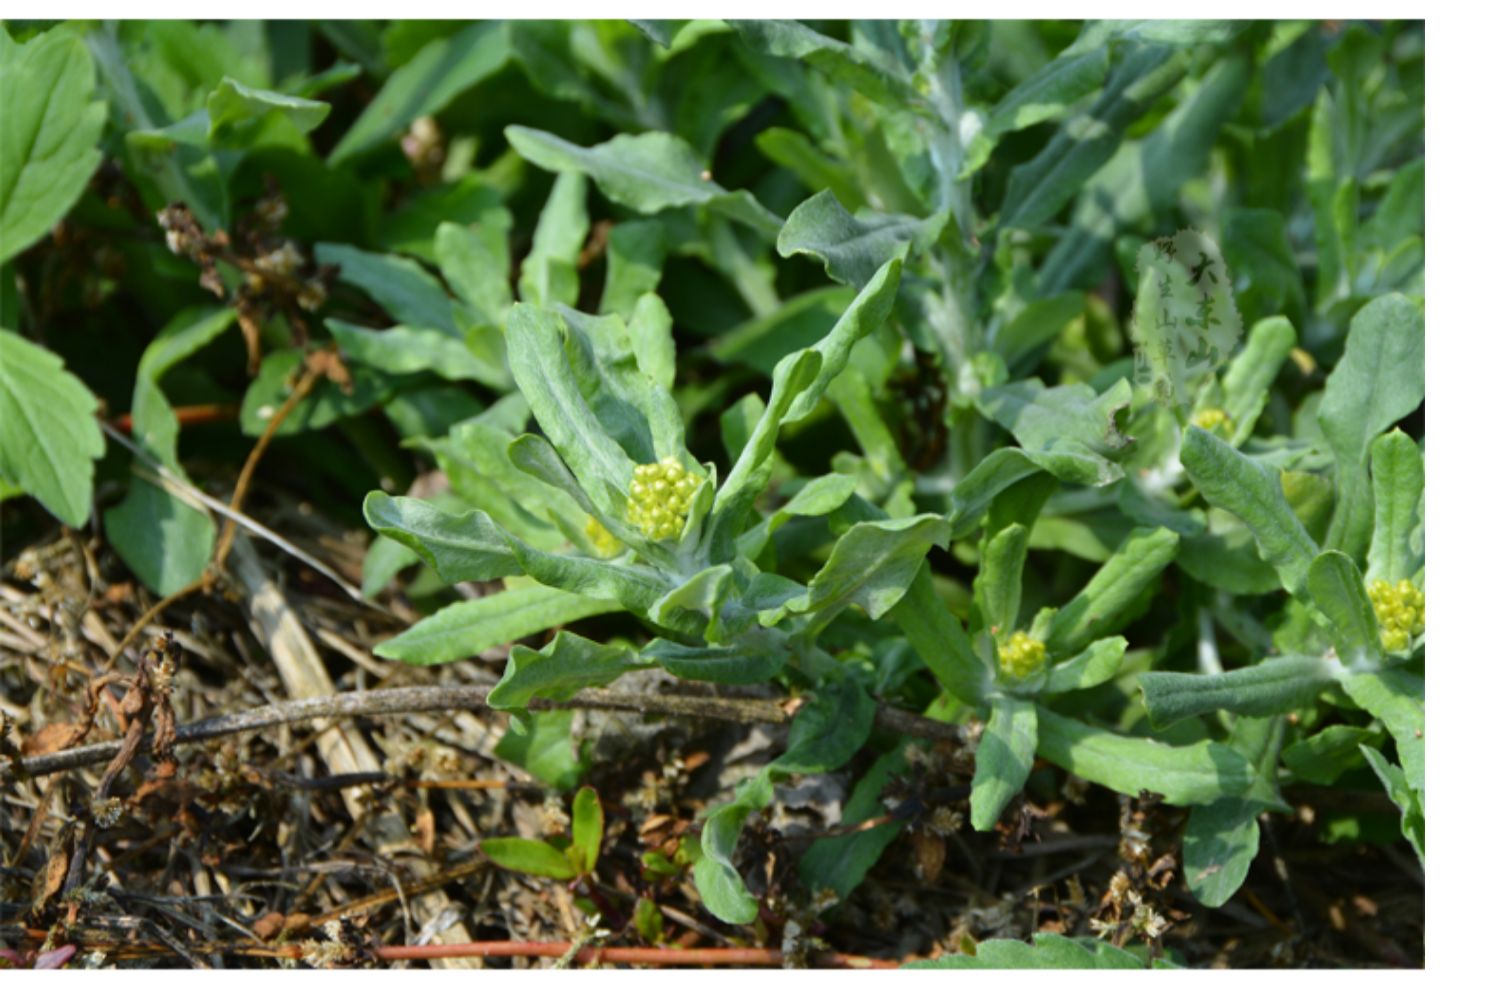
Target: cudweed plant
1007, 373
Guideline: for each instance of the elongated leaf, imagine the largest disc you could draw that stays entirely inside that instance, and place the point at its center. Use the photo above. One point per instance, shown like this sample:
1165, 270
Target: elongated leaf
535, 858
1336, 588
400, 286
995, 473
1067, 430
1100, 661
1248, 379
476, 263
550, 272
997, 587
1329, 753
232, 102
1398, 699
1278, 685
409, 350
861, 69
559, 670
1413, 820
466, 628
1252, 492
1183, 775
1397, 469
1218, 845
873, 564
1379, 380
48, 135
1003, 759
458, 547
588, 831
633, 264
442, 70
648, 173
50, 440
840, 863
1046, 952
852, 248
743, 664
939, 639
1112, 592
1045, 95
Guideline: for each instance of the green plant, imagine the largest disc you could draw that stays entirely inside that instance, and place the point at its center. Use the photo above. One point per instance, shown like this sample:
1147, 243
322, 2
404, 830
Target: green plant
853, 360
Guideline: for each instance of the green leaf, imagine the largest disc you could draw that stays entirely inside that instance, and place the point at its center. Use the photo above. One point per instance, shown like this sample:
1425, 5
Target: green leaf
1112, 593
559, 670
440, 72
861, 69
535, 858
401, 286
466, 628
1379, 380
1002, 760
1044, 96
939, 639
164, 541
853, 247
1067, 430
997, 586
550, 272
1273, 686
1260, 257
1329, 753
872, 565
1039, 188
1398, 699
1100, 661
1399, 479
475, 260
840, 863
648, 173
1218, 845
544, 748
632, 267
996, 472
814, 168
1048, 952
232, 103
410, 351
1334, 583
50, 439
1413, 819
459, 547
1251, 491
1182, 774
745, 663
48, 135
1248, 379
588, 831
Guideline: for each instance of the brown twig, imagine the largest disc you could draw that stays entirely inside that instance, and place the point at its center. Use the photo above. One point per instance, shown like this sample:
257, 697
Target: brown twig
630, 955
450, 697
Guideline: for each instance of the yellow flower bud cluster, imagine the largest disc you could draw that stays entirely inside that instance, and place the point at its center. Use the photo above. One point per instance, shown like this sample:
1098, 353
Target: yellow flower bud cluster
660, 493
1401, 610
603, 541
1020, 656
1214, 420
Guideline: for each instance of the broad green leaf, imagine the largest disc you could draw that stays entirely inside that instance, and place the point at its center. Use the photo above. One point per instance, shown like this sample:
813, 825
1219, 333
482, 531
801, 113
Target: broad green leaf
166, 542
588, 830
405, 350
1278, 685
940, 640
1329, 753
1413, 819
1067, 430
1398, 699
1379, 380
1218, 845
153, 423
1251, 491
714, 875
544, 748
466, 628
872, 565
633, 262
852, 247
1044, 96
475, 260
550, 272
1250, 375
559, 670
1335, 586
535, 858
48, 136
401, 286
1183, 775
232, 103
384, 559
1396, 546
861, 69
458, 547
50, 439
840, 863
1039, 188
1047, 952
996, 472
1107, 599
1002, 760
829, 730
648, 173
1100, 661
997, 586
328, 402
745, 663
441, 71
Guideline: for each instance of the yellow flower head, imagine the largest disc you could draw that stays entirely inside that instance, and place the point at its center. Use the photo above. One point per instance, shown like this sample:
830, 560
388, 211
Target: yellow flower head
660, 493
604, 542
1020, 655
1401, 610
1214, 420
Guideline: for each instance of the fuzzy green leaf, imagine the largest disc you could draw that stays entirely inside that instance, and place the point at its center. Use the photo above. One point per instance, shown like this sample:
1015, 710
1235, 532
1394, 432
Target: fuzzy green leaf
1278, 685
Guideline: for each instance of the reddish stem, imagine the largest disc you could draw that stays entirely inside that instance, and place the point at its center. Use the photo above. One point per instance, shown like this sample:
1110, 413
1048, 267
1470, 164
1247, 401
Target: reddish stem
197, 413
